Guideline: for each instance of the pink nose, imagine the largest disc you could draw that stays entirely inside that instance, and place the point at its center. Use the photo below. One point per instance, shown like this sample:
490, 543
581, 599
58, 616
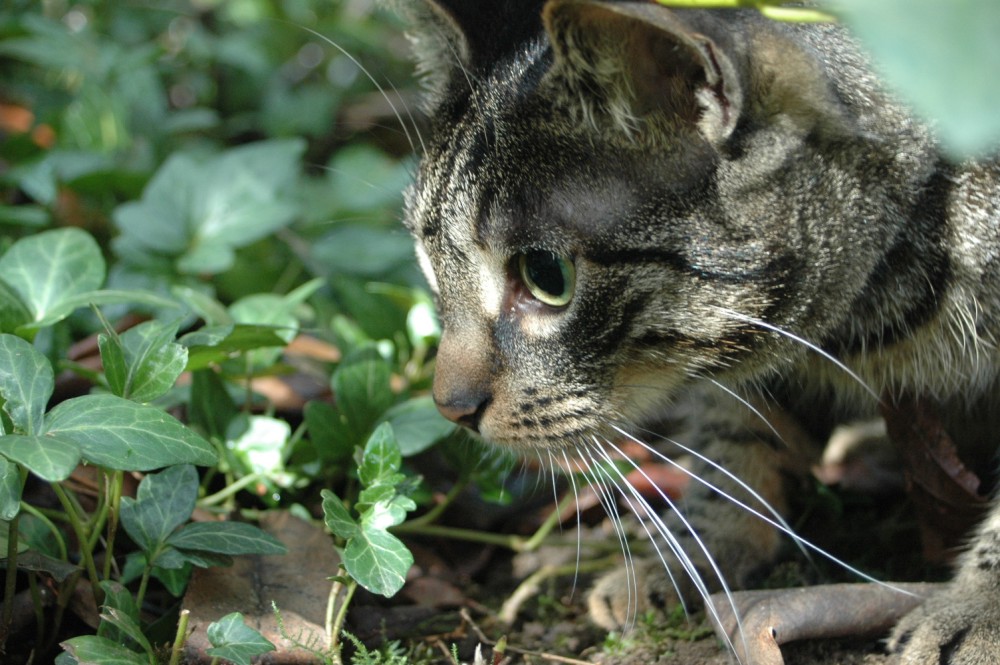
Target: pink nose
464, 409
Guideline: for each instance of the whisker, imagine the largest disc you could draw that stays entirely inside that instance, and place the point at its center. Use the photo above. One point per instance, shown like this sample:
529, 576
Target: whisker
606, 498
579, 519
801, 340
378, 86
674, 543
745, 402
777, 522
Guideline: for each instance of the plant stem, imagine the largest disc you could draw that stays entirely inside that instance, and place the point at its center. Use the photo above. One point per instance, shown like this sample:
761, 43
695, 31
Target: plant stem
144, 582
10, 582
431, 515
179, 638
515, 543
333, 631
114, 503
83, 537
56, 533
230, 490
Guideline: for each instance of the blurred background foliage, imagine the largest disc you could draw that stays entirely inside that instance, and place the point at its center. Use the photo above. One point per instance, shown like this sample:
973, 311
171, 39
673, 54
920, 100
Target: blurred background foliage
98, 96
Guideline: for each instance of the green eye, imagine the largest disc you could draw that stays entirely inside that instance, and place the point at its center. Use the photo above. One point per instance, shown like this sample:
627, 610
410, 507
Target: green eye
549, 277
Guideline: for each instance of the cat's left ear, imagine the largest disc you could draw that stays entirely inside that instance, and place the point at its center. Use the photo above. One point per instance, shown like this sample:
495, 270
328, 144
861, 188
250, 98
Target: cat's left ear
636, 61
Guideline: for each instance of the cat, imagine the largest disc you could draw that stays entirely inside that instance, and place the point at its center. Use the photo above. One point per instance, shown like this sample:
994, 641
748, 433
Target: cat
629, 213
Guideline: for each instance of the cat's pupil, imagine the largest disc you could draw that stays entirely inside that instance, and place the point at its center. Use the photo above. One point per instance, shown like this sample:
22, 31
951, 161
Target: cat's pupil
548, 276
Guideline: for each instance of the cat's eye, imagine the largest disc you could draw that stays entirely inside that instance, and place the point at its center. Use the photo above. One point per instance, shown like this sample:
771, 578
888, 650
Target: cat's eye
550, 278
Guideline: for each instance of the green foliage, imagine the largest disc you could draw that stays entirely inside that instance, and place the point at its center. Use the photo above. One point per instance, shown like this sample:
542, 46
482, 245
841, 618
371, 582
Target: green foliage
235, 641
180, 205
373, 557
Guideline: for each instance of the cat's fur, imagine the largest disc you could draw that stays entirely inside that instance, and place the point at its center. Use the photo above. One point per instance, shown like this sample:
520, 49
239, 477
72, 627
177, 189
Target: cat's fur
761, 234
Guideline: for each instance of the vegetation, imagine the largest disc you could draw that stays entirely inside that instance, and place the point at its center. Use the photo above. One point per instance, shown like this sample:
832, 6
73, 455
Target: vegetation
186, 190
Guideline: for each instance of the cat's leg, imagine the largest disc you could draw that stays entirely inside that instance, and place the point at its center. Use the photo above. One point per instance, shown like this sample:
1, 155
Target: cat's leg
960, 625
745, 455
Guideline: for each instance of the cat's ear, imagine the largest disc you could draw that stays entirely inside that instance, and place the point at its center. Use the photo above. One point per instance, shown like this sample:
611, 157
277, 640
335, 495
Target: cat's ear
637, 61
438, 42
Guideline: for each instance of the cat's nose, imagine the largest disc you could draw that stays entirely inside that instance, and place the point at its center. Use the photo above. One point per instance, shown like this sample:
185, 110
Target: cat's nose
465, 409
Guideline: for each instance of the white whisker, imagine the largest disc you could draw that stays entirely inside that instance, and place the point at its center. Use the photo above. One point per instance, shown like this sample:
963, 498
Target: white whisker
686, 562
777, 521
364, 70
801, 340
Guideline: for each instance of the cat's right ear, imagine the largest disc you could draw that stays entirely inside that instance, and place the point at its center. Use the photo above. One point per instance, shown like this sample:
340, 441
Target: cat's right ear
439, 44
643, 68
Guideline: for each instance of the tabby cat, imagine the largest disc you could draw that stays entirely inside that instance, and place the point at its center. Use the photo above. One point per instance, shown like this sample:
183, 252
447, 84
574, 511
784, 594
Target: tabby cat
630, 214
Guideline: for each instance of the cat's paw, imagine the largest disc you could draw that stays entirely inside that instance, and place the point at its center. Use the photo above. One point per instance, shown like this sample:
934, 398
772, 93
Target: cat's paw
959, 626
621, 596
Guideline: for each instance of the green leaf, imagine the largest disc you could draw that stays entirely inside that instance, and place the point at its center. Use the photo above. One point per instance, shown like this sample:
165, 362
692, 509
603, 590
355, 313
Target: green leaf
163, 502
152, 360
363, 251
13, 312
378, 561
26, 383
327, 434
230, 538
216, 344
211, 406
381, 459
941, 56
49, 268
113, 362
127, 626
118, 597
207, 308
387, 513
10, 490
336, 516
120, 434
361, 389
199, 210
102, 297
176, 579
91, 649
50, 457
260, 446
417, 424
233, 640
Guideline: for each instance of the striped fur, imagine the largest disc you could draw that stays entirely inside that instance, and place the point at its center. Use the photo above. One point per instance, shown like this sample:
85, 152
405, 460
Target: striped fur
749, 213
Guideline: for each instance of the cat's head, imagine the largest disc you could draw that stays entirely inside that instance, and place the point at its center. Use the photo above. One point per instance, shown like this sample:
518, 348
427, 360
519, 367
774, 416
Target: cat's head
612, 198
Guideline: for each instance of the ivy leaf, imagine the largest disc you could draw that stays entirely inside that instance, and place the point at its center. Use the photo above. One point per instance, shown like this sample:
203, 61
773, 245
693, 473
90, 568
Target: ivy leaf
200, 210
49, 457
417, 425
162, 503
26, 383
150, 360
381, 460
231, 538
127, 626
219, 343
233, 640
327, 434
49, 268
13, 312
10, 490
377, 560
89, 649
336, 517
119, 434
361, 388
